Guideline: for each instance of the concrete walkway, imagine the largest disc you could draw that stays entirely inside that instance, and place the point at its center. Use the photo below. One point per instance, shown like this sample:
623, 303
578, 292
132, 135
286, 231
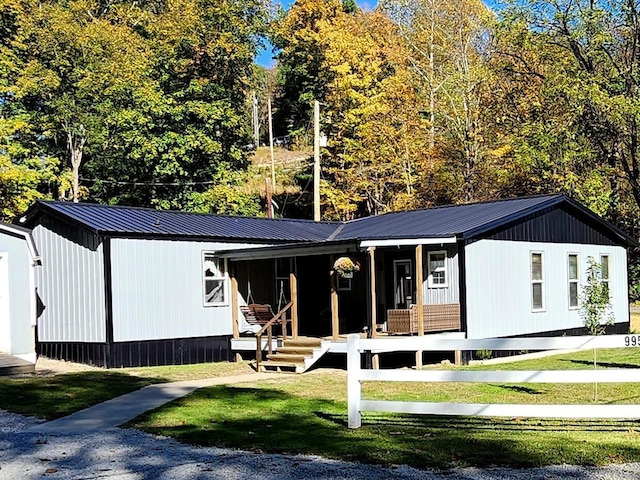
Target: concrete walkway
119, 410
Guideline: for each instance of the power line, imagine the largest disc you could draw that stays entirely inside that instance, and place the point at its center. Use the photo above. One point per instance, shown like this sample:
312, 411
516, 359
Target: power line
149, 184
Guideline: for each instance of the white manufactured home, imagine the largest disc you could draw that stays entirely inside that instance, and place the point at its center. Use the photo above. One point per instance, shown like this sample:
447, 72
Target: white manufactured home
130, 286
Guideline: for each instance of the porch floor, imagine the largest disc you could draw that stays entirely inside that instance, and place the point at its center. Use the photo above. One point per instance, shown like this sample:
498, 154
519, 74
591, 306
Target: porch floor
10, 365
249, 343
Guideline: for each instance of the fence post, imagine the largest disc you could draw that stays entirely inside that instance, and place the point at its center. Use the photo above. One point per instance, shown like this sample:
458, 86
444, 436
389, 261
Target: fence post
354, 388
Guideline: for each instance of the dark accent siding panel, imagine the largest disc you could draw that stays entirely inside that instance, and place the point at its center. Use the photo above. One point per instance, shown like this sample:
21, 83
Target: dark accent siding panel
462, 285
621, 328
175, 351
72, 233
89, 353
108, 291
556, 226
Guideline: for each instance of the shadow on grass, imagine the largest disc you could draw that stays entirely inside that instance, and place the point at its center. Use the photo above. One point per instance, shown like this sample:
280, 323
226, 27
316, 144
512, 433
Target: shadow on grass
521, 389
61, 395
269, 420
601, 364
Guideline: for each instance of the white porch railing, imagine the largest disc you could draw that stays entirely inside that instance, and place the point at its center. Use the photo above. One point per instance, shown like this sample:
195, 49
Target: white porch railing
355, 346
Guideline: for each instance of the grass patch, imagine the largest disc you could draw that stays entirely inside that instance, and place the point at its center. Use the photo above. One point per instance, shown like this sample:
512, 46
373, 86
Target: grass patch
52, 397
307, 414
55, 397
635, 322
178, 373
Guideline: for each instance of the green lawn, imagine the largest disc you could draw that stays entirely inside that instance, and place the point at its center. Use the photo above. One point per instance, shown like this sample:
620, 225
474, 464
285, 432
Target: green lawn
56, 396
307, 414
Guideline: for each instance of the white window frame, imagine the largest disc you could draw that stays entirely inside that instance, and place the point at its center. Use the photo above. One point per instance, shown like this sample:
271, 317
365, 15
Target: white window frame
220, 277
533, 281
606, 280
430, 272
575, 281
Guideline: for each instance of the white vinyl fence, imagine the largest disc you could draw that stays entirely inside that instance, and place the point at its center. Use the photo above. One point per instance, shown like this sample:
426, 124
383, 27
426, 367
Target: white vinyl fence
355, 346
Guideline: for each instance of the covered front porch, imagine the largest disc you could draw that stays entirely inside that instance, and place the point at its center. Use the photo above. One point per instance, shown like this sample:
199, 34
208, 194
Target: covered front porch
404, 288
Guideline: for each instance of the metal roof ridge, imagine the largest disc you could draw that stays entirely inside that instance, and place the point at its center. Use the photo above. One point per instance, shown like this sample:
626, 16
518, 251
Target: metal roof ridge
454, 205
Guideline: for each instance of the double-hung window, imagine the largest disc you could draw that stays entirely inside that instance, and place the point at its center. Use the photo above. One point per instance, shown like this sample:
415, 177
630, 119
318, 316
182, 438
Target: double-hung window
573, 280
437, 263
214, 282
604, 272
537, 282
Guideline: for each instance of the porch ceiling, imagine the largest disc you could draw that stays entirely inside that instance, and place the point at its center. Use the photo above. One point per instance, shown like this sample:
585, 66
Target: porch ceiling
292, 250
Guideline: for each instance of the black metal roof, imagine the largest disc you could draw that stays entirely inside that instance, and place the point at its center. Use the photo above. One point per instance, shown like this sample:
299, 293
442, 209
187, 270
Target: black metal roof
446, 221
467, 221
134, 221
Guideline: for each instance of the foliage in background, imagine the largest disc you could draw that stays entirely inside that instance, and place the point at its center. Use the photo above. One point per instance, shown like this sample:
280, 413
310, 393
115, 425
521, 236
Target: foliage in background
143, 103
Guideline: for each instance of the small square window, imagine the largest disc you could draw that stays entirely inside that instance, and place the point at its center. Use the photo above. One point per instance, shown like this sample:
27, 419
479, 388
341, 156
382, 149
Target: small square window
214, 281
437, 264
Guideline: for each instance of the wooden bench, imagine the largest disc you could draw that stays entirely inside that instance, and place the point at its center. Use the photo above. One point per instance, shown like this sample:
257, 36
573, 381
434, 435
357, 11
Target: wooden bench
257, 314
441, 317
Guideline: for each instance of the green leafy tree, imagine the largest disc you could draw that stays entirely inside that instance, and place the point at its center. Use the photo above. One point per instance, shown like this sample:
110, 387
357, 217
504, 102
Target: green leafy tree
193, 123
75, 65
590, 68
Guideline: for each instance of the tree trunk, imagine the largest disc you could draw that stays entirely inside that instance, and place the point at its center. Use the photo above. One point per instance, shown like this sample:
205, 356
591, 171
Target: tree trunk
76, 139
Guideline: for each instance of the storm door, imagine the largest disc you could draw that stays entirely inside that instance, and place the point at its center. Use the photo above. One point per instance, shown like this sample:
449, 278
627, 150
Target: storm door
403, 283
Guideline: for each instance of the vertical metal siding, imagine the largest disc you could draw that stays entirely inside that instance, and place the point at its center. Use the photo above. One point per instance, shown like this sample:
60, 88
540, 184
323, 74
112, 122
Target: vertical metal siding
70, 283
558, 226
450, 293
17, 332
499, 287
157, 290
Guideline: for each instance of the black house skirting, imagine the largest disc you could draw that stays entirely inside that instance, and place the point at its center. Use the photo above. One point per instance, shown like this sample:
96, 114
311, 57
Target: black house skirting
148, 353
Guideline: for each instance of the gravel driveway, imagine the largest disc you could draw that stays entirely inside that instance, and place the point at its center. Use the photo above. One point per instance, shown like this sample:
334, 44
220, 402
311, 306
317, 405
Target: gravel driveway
130, 454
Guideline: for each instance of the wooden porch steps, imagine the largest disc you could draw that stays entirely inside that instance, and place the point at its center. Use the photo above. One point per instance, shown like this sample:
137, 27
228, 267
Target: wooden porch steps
295, 355
10, 365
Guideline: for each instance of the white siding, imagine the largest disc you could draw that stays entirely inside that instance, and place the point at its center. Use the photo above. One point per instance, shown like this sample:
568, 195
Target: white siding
71, 285
17, 291
498, 280
158, 292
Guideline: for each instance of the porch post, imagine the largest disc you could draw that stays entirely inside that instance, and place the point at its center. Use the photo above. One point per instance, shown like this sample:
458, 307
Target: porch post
374, 301
293, 282
234, 303
419, 297
419, 301
335, 318
234, 308
372, 276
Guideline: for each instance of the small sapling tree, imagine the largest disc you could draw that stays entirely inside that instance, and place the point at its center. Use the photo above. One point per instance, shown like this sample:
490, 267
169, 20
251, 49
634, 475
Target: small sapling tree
595, 305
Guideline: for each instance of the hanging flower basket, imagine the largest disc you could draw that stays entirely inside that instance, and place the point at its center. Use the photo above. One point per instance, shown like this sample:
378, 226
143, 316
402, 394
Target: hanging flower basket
345, 266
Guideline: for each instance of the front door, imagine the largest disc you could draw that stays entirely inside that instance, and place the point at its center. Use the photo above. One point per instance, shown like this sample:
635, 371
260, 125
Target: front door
403, 284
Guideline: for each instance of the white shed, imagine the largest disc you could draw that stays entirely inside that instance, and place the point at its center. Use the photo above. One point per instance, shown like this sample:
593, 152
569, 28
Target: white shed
18, 301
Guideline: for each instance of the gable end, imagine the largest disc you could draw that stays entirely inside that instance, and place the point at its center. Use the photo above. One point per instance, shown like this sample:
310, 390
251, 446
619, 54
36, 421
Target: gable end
555, 225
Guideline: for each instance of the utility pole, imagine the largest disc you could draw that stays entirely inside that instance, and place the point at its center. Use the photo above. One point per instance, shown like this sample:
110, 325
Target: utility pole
273, 167
256, 122
316, 161
269, 199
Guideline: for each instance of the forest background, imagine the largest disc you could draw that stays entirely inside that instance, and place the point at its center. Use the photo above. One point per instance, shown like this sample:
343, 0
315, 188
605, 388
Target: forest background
424, 102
